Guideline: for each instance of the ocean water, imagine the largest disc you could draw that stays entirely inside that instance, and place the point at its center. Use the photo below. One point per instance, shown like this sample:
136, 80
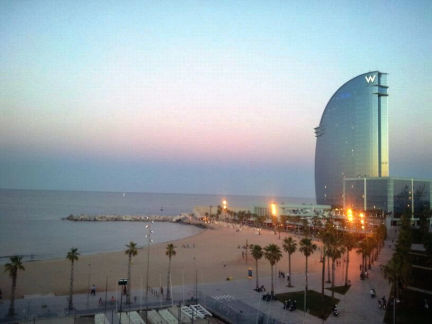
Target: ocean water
31, 220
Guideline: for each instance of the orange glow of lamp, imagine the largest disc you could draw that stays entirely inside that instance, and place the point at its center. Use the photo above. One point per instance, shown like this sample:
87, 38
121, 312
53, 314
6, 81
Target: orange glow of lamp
224, 204
350, 215
273, 209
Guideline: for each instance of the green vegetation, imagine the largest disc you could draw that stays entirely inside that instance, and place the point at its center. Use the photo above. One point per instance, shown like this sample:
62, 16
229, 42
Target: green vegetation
317, 305
72, 256
257, 253
170, 252
130, 252
289, 246
398, 270
12, 268
349, 242
273, 254
340, 289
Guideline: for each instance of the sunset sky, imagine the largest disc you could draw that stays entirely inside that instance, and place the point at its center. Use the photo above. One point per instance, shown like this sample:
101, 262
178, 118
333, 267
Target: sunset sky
200, 96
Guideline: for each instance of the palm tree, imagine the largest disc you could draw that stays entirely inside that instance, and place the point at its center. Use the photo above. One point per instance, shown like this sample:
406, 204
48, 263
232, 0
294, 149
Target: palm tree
12, 268
273, 254
289, 246
307, 248
170, 251
362, 249
131, 252
257, 254
349, 243
72, 256
335, 252
327, 236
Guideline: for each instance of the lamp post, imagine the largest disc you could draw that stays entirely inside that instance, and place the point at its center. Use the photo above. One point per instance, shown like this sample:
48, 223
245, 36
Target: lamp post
273, 210
149, 231
224, 207
88, 283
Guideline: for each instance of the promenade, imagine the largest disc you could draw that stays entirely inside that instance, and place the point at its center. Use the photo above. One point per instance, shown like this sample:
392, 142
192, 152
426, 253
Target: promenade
356, 306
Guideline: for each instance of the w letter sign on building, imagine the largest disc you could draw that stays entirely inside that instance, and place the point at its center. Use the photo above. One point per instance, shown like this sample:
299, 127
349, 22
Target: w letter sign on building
370, 78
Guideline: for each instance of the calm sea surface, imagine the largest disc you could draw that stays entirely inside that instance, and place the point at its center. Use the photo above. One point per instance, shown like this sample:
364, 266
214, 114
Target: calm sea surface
31, 220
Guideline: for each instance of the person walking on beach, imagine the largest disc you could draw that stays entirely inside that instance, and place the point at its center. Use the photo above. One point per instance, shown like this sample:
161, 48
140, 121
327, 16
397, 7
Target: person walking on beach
93, 290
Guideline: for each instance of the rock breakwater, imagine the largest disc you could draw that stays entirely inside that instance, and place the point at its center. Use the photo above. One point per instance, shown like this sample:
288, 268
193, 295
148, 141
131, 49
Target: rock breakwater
182, 218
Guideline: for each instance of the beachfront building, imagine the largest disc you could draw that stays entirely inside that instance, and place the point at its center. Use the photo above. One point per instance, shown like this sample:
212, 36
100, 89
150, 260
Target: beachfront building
277, 211
352, 137
392, 196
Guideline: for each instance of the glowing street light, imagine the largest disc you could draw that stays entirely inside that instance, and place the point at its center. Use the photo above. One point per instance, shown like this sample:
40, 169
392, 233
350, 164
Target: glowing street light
224, 204
350, 215
273, 209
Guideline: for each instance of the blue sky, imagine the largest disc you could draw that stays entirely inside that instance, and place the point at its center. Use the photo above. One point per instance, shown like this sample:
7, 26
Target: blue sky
199, 96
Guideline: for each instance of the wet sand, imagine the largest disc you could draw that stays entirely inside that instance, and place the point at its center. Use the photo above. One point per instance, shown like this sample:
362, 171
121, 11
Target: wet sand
214, 253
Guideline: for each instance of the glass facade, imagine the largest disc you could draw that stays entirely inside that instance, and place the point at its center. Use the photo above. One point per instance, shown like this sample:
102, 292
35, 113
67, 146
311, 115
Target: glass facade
352, 138
388, 194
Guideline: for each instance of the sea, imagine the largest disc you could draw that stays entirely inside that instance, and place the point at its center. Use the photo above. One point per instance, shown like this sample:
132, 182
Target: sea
31, 223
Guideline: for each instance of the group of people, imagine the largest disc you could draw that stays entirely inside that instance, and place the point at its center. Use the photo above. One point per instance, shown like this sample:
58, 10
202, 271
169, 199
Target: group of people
290, 304
282, 275
260, 289
268, 297
382, 303
335, 310
187, 246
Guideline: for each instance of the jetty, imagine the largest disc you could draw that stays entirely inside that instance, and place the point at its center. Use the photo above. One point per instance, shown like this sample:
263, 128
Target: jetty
183, 218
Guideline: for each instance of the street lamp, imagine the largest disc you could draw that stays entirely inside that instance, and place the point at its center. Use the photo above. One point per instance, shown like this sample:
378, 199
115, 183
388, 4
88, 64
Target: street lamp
362, 222
273, 210
224, 207
149, 232
350, 215
149, 241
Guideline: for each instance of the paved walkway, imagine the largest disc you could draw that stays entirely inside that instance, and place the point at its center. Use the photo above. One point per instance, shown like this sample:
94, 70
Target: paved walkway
355, 307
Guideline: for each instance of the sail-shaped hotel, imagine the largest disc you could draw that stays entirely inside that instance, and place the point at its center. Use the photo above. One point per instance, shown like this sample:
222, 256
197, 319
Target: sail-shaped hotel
352, 154
352, 138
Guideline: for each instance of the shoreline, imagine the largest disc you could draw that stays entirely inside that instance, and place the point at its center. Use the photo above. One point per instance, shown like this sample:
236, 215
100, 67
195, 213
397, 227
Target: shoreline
216, 253
30, 258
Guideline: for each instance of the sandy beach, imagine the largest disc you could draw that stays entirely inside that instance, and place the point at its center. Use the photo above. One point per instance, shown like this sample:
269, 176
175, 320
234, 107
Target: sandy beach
214, 253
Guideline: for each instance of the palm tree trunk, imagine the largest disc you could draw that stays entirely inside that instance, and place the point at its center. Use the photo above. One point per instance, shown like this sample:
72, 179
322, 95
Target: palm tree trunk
306, 273
256, 266
71, 286
328, 269
323, 272
12, 303
272, 289
306, 285
129, 282
289, 270
168, 291
364, 262
333, 276
346, 269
